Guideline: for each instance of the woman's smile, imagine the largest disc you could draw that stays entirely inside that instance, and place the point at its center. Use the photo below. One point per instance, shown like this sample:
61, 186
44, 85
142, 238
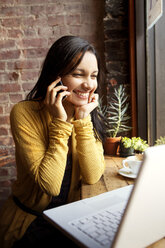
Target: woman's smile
81, 94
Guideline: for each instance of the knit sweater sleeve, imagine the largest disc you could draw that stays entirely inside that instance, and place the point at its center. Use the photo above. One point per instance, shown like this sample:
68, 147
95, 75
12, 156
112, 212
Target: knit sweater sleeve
90, 151
44, 161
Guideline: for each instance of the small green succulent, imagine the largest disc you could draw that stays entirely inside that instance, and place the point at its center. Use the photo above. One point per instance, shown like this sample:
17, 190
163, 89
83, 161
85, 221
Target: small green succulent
136, 143
160, 141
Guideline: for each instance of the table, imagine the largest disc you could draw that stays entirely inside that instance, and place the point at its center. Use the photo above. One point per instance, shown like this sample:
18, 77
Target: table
109, 181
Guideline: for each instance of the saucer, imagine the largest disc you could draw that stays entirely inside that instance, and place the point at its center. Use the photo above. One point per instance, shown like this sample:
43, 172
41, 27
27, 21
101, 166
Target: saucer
129, 175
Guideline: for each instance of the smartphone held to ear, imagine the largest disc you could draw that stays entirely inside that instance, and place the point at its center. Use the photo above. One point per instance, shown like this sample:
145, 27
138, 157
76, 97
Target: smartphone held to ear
60, 84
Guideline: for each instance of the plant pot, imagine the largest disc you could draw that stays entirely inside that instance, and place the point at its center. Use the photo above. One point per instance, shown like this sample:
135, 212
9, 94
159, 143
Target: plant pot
111, 145
125, 152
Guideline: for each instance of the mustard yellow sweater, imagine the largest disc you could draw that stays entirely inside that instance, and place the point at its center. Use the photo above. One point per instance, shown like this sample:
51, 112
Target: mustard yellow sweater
41, 144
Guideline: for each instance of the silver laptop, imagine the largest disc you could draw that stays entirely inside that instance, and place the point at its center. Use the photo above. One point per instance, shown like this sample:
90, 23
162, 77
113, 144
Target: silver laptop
132, 216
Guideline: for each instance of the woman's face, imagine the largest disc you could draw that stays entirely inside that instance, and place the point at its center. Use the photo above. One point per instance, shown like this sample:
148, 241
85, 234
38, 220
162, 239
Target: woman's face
82, 82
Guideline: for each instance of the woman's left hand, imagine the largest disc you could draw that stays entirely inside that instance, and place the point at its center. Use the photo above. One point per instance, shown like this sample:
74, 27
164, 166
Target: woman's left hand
84, 110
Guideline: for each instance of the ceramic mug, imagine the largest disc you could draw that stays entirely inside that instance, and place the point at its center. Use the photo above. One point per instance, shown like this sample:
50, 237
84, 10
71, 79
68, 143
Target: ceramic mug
131, 166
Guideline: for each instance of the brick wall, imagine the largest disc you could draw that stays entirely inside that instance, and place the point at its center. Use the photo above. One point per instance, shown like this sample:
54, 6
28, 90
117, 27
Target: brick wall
116, 43
27, 30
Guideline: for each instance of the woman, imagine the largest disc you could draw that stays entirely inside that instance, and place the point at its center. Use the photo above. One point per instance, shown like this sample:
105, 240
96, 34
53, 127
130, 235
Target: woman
57, 133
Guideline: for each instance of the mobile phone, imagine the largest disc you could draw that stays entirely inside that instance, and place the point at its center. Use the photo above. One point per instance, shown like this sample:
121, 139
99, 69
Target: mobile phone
59, 84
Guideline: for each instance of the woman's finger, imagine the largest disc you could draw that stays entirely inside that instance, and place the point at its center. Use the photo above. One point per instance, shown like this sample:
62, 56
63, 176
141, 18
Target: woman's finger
55, 92
61, 88
53, 84
49, 89
62, 95
91, 95
94, 97
52, 96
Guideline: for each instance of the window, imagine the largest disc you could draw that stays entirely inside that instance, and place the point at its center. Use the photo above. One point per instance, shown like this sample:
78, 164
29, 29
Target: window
150, 75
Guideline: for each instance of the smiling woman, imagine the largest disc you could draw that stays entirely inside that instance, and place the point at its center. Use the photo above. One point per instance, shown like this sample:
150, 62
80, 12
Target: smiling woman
58, 143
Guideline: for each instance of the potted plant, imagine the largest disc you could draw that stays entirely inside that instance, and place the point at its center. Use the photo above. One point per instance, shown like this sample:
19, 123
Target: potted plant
129, 146
117, 118
160, 141
126, 147
139, 144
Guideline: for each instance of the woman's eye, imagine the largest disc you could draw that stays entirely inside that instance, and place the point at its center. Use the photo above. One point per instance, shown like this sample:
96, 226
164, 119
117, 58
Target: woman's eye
77, 75
82, 75
94, 76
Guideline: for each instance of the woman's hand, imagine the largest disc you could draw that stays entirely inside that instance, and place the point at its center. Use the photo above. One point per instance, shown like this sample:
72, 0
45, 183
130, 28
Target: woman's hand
53, 100
83, 111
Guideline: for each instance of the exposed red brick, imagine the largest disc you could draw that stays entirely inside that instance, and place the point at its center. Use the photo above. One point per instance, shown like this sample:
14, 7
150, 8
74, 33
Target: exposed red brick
1, 110
3, 131
6, 141
23, 64
4, 77
56, 20
4, 98
5, 44
5, 183
4, 120
30, 2
55, 8
29, 75
8, 108
8, 22
10, 87
2, 65
15, 97
35, 52
15, 11
15, 33
3, 171
13, 76
8, 1
37, 42
12, 54
27, 86
73, 19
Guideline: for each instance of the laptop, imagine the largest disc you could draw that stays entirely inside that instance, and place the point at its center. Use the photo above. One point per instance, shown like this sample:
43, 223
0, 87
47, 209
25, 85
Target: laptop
131, 216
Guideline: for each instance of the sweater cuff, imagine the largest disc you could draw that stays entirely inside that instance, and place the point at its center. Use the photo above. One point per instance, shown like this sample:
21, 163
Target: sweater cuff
82, 122
84, 127
60, 128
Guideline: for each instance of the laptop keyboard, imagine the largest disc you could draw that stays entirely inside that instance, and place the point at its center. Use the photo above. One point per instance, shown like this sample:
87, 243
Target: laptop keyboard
101, 226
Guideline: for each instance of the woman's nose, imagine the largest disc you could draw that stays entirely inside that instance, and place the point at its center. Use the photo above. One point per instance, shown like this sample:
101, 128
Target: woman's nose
88, 84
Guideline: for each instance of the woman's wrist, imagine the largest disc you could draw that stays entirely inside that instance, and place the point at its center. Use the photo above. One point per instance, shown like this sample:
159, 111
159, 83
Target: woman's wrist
80, 115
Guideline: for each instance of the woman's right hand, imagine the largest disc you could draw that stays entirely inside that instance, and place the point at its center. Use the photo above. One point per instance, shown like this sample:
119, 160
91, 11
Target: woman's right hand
53, 100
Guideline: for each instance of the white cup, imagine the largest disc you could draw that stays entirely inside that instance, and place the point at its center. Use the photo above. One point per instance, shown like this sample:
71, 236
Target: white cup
131, 166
